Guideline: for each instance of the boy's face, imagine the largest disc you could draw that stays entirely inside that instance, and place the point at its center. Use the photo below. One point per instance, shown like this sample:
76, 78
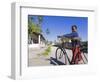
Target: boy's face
74, 29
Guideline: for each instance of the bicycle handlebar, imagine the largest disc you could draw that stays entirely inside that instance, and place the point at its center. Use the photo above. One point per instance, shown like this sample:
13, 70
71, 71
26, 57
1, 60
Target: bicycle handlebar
74, 38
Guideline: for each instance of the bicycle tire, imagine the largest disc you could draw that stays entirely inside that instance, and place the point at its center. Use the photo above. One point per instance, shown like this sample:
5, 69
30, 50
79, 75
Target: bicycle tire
62, 53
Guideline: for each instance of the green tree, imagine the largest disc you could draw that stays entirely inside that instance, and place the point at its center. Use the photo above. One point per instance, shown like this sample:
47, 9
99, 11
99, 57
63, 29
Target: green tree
47, 31
32, 27
40, 19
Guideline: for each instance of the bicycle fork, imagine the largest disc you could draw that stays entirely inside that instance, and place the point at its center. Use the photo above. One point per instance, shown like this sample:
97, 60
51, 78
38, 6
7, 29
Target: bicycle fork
66, 57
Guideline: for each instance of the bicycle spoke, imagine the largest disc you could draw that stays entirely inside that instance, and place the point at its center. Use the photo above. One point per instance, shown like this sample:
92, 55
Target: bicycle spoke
60, 55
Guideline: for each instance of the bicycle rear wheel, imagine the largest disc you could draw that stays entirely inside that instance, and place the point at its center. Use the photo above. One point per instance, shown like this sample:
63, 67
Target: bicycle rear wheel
84, 58
61, 56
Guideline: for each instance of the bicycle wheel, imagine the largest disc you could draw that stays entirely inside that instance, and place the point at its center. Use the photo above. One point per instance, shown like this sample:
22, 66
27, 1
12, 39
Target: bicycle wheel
84, 58
61, 56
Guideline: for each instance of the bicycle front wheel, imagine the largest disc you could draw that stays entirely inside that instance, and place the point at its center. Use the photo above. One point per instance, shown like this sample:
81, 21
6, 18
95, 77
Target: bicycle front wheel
60, 56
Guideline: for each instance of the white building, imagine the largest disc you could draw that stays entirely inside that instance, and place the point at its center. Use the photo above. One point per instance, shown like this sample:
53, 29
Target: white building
36, 40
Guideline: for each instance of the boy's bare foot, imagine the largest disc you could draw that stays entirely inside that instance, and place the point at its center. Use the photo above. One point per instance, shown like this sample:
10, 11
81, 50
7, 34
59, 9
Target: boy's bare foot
80, 62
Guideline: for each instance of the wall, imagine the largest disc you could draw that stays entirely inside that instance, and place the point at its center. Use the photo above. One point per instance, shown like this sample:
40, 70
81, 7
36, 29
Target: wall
5, 37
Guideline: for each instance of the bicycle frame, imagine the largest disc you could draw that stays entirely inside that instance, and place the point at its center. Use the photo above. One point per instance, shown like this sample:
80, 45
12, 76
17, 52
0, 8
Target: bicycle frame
63, 48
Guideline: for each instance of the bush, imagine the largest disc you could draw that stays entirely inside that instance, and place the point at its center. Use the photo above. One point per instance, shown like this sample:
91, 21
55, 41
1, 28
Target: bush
47, 51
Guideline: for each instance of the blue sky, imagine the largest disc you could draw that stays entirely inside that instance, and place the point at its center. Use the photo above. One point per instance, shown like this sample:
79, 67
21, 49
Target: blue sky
60, 25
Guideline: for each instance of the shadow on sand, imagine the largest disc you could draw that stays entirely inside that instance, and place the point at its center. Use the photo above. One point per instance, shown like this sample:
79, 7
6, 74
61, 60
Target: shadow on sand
54, 61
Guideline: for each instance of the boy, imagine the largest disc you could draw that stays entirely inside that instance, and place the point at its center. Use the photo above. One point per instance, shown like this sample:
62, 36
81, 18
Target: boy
75, 45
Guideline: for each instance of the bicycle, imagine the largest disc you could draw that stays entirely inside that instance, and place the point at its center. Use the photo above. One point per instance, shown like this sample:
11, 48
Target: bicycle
61, 54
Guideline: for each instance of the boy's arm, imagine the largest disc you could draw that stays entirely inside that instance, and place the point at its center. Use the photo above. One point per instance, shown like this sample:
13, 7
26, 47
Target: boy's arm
71, 35
68, 35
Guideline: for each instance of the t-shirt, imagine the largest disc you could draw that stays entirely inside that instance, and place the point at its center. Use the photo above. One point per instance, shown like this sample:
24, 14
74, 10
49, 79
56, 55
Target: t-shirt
71, 35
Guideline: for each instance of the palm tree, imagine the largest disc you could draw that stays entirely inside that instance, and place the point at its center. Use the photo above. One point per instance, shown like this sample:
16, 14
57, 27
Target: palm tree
32, 26
40, 19
47, 31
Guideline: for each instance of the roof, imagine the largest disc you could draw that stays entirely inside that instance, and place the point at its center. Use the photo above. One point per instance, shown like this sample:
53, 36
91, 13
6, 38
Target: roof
40, 35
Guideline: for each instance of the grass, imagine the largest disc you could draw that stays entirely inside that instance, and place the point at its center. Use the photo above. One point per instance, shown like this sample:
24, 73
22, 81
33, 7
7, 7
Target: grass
47, 51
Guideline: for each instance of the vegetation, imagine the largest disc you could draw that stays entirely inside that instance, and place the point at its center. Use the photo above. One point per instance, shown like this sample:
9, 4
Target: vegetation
33, 26
47, 31
47, 51
40, 19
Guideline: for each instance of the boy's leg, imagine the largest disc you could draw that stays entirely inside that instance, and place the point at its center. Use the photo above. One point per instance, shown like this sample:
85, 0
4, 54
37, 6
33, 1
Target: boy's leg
73, 50
74, 57
79, 55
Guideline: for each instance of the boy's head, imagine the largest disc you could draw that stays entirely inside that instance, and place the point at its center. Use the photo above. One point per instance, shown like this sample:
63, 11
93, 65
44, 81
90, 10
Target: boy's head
74, 28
